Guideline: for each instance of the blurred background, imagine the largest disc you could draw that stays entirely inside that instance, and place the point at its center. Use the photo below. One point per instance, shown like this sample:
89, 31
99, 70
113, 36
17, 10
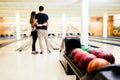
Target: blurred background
13, 10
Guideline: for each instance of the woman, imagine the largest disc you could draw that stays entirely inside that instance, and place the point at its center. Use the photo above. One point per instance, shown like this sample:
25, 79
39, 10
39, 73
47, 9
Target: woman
33, 22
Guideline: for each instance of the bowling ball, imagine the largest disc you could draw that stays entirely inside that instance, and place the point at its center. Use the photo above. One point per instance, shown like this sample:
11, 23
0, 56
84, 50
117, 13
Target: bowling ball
89, 49
79, 56
96, 51
107, 56
20, 50
84, 47
85, 59
74, 51
96, 63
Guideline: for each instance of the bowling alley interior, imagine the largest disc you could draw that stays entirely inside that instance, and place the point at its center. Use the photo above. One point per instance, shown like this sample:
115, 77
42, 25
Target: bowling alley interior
83, 36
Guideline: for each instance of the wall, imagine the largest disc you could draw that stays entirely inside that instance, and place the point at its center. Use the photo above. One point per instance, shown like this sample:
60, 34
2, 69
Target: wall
73, 25
96, 26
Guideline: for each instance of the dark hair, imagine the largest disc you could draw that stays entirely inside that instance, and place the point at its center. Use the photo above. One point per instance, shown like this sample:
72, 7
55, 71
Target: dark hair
32, 16
41, 8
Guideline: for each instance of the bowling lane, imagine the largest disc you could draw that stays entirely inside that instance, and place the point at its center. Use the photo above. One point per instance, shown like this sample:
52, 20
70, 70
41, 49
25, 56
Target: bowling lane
106, 41
5, 41
13, 46
111, 38
23, 65
58, 41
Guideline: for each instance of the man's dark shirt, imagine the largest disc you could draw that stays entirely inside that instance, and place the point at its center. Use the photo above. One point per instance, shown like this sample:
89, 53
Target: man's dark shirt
42, 18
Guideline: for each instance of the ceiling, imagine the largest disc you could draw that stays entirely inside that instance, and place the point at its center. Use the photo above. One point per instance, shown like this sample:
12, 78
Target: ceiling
55, 8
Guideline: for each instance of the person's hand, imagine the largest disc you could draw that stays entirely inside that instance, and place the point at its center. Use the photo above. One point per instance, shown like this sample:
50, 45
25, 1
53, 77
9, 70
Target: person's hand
44, 24
39, 25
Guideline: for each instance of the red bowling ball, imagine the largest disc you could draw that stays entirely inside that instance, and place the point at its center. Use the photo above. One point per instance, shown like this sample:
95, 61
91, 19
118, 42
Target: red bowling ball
96, 51
74, 51
107, 56
79, 55
85, 59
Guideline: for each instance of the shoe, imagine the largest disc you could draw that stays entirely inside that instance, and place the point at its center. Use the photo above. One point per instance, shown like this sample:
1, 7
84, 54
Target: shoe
49, 51
41, 52
33, 52
36, 51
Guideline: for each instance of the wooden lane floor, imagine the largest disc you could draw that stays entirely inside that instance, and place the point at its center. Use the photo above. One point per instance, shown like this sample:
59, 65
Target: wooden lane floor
5, 41
16, 65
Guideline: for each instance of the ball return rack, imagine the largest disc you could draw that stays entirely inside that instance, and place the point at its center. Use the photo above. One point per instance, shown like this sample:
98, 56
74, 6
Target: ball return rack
110, 72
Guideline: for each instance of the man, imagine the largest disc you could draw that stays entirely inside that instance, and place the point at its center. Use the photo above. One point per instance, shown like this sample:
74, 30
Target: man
42, 25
